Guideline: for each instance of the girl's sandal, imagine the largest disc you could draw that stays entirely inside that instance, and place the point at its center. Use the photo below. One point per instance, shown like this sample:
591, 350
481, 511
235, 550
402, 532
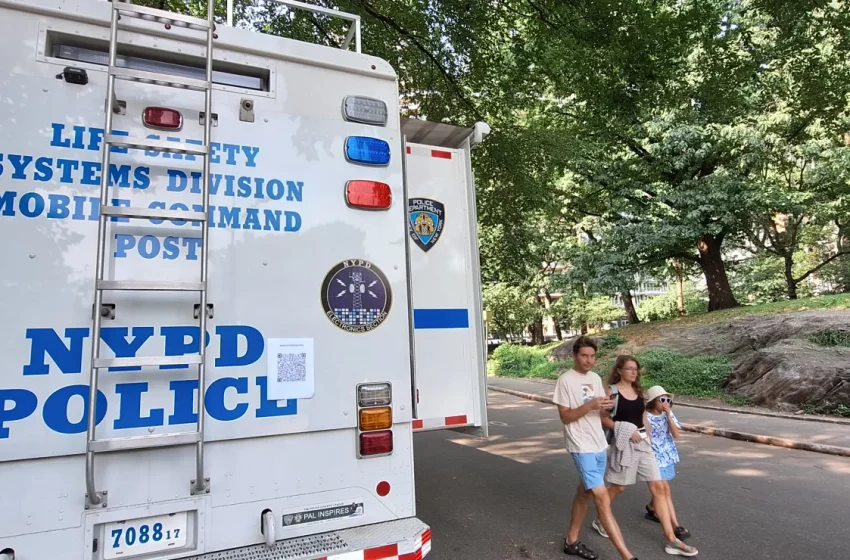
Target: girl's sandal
578, 549
682, 533
650, 514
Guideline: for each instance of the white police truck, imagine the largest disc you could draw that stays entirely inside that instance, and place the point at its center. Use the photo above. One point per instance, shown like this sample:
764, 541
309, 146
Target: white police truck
234, 284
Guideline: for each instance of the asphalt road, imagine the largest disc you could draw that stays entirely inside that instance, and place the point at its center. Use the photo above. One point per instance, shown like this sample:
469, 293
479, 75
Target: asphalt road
508, 497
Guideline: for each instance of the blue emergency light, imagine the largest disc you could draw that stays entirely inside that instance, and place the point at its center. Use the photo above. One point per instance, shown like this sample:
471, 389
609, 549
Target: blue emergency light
368, 151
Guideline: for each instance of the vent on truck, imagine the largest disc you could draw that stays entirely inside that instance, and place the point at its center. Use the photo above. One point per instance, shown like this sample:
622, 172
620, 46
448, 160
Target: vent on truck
93, 51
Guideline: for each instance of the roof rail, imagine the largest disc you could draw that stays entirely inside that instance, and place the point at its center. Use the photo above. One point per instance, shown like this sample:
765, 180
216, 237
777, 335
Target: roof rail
354, 20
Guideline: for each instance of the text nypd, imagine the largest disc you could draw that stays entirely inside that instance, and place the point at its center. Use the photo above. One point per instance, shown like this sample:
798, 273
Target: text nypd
134, 404
266, 202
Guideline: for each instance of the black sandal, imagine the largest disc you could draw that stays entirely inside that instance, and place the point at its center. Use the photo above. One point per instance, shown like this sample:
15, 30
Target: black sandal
651, 515
682, 533
578, 549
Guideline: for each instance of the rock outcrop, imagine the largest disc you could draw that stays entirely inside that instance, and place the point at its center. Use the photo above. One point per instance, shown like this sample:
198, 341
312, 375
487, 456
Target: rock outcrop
774, 364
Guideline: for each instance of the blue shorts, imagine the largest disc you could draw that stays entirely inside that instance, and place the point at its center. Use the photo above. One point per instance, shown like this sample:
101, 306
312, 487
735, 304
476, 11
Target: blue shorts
591, 468
668, 472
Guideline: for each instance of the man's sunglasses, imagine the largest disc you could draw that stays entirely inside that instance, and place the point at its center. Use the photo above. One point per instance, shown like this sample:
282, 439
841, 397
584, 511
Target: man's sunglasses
665, 399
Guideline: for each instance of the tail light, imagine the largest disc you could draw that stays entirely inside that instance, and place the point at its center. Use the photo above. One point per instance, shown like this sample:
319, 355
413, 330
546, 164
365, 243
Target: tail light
364, 110
366, 150
375, 420
368, 195
162, 118
372, 419
376, 443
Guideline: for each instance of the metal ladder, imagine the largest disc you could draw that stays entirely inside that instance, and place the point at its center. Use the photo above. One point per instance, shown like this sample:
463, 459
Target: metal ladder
200, 484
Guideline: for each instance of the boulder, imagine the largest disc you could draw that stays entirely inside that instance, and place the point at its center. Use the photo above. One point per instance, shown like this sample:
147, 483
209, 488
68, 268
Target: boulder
564, 351
741, 337
774, 364
791, 373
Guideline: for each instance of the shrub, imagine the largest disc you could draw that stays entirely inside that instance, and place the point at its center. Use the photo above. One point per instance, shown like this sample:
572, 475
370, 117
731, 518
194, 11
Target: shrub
511, 360
699, 376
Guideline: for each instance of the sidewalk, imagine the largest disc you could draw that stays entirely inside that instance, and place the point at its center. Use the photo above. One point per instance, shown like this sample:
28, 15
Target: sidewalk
820, 437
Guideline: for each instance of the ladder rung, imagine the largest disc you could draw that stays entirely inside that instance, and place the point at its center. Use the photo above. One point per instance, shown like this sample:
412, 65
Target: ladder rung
156, 145
150, 361
169, 80
149, 286
144, 442
153, 213
161, 16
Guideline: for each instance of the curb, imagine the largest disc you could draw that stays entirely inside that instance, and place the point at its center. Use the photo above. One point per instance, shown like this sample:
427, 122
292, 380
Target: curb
808, 418
718, 432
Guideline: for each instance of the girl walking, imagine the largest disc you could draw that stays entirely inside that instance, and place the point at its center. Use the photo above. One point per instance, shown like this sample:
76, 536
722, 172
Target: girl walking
664, 429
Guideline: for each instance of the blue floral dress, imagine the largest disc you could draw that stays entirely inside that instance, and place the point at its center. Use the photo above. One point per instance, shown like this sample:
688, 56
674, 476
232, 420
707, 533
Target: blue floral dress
663, 444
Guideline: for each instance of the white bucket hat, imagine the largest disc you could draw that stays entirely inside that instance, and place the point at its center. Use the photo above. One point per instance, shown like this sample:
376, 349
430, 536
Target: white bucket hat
656, 391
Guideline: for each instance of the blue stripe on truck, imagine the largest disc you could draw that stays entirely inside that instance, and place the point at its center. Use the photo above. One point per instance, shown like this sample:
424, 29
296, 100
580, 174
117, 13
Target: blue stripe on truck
440, 318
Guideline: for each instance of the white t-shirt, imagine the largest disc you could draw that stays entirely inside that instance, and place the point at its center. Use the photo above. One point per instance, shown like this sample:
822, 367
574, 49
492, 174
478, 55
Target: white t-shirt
573, 389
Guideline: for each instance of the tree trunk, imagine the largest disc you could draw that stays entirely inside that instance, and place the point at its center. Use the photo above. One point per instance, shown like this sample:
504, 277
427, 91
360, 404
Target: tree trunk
629, 304
558, 332
537, 332
720, 295
680, 288
789, 277
584, 328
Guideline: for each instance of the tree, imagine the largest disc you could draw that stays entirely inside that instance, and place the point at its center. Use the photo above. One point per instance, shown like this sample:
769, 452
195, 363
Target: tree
511, 310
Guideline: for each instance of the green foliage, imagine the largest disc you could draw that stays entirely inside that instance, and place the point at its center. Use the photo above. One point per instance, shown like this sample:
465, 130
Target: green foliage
699, 376
835, 410
611, 341
831, 338
666, 306
510, 360
511, 310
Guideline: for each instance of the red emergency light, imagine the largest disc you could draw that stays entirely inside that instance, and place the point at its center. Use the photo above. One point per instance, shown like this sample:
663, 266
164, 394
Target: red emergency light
162, 118
376, 443
368, 195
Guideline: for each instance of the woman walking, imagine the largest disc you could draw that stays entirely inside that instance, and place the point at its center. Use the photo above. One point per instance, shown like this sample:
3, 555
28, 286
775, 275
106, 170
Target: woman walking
630, 455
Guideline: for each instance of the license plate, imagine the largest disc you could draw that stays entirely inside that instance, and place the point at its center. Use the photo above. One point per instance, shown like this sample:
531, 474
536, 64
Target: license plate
125, 539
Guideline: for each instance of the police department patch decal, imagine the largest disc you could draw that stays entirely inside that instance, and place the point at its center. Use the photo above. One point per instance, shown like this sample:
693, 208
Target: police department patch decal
425, 221
356, 296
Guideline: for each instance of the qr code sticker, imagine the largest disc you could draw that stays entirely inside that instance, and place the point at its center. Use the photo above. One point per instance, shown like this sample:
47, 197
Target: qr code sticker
291, 367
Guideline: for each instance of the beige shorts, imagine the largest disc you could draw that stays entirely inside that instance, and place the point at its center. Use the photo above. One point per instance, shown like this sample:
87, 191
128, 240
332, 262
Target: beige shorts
643, 469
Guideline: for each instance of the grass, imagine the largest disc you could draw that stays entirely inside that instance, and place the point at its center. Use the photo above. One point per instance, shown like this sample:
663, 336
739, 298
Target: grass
836, 410
831, 338
644, 332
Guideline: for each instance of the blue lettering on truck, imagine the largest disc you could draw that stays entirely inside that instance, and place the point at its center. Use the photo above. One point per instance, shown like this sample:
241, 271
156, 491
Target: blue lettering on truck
65, 350
40, 168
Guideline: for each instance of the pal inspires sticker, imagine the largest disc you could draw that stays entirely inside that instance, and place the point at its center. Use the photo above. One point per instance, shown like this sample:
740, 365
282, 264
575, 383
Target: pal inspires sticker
426, 219
324, 513
356, 296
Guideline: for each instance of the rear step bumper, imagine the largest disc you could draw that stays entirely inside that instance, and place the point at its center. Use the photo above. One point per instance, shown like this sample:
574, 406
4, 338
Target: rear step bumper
404, 539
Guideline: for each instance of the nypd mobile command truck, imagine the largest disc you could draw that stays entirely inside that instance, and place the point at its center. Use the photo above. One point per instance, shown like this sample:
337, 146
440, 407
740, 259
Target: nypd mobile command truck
234, 283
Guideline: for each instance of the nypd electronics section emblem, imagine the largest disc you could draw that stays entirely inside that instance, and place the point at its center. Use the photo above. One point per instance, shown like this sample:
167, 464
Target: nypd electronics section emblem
356, 296
426, 219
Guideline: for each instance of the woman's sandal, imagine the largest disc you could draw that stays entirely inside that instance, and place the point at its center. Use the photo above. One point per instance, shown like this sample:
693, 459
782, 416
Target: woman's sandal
578, 549
682, 533
678, 548
650, 514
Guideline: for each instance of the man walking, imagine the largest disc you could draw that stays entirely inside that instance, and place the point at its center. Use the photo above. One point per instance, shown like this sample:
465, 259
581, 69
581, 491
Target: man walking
580, 396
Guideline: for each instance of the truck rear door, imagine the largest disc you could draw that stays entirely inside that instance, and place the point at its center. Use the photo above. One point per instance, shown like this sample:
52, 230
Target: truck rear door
450, 382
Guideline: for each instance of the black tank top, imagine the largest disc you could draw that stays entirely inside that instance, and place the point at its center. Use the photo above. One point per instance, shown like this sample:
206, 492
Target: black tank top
630, 410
